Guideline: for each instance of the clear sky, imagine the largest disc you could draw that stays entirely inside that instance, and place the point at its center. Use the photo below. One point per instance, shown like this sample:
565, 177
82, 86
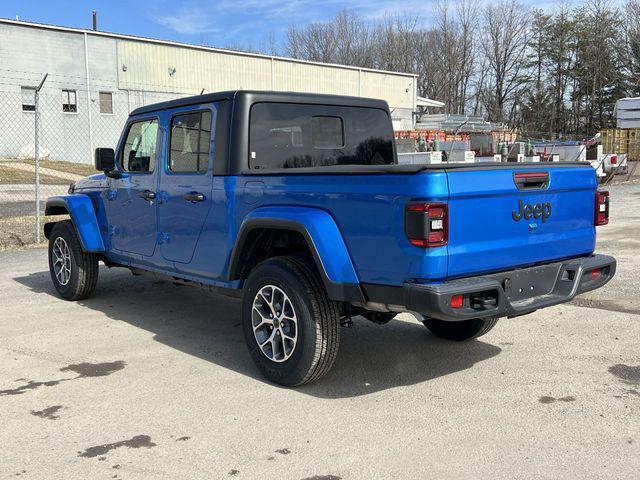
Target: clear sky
219, 23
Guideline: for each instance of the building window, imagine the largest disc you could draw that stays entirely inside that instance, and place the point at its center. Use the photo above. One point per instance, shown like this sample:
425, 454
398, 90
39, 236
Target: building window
190, 142
106, 102
28, 99
69, 101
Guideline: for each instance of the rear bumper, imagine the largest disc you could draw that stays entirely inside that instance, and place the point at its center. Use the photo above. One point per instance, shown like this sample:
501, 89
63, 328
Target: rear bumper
504, 294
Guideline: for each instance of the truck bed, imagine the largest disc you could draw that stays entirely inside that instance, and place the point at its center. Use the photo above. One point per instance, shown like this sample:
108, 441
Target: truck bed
368, 204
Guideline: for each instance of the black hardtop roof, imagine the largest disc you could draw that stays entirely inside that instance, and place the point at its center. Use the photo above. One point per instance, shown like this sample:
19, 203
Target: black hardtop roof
254, 96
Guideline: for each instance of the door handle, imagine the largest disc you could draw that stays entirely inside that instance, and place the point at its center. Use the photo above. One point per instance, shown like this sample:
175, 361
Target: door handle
147, 195
193, 197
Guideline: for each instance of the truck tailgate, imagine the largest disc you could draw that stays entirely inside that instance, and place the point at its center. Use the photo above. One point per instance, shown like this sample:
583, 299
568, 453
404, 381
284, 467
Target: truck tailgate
501, 220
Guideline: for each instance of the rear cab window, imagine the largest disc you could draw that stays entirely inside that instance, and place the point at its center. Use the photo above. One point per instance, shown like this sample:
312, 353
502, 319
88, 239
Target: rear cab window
285, 135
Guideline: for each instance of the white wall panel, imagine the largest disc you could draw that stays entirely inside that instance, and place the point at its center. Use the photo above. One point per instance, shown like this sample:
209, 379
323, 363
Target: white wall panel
304, 77
397, 90
146, 66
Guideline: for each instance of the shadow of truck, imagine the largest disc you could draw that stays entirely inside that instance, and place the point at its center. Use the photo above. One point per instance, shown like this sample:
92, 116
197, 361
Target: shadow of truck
372, 357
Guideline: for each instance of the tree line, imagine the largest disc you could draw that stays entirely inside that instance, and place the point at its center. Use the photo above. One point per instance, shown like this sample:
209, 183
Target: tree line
543, 72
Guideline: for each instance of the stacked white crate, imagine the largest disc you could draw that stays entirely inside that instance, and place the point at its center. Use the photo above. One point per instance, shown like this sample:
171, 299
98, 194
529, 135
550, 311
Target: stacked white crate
628, 112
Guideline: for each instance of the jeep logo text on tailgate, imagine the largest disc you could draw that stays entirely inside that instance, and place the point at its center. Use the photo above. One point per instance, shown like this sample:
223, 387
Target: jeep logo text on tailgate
528, 210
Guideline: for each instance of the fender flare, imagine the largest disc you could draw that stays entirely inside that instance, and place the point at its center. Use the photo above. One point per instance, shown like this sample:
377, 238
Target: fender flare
323, 237
83, 216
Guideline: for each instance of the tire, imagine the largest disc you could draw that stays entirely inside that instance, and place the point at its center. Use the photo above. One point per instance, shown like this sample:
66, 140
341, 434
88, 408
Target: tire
380, 318
309, 309
461, 330
79, 281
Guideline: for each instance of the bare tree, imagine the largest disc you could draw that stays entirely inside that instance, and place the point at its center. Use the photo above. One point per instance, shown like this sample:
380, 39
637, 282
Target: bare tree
346, 40
543, 71
353, 40
632, 44
468, 25
444, 57
316, 42
559, 53
394, 43
599, 77
504, 47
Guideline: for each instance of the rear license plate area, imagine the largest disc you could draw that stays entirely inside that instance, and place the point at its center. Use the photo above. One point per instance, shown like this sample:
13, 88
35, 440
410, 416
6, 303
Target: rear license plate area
530, 282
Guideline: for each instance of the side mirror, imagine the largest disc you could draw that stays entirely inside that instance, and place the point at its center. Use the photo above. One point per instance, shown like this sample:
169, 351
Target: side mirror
105, 159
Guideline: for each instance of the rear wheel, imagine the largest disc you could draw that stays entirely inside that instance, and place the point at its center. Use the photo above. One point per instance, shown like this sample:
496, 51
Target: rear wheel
73, 272
291, 327
460, 330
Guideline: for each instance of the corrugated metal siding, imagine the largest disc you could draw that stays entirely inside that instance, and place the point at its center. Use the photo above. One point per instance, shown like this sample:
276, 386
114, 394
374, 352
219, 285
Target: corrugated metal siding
303, 77
397, 90
148, 68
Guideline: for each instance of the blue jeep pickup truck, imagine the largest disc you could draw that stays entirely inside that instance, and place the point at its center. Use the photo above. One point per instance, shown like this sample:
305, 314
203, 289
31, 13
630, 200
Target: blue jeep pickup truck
295, 203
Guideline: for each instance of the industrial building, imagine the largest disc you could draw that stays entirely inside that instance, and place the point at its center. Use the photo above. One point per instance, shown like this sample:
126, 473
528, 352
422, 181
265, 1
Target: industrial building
96, 78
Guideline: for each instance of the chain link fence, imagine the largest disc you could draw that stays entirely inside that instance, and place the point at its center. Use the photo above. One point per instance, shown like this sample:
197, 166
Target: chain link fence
67, 131
68, 124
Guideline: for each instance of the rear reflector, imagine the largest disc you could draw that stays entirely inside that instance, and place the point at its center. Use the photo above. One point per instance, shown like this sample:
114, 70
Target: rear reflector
457, 301
602, 208
595, 274
426, 224
614, 159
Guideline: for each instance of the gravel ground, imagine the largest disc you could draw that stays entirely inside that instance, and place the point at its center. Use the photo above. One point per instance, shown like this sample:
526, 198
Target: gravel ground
149, 380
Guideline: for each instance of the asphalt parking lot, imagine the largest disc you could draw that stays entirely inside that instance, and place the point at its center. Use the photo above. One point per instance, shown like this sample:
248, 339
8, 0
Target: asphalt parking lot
151, 380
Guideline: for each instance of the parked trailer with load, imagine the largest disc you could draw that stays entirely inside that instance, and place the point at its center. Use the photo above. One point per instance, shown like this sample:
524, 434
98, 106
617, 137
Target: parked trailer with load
296, 204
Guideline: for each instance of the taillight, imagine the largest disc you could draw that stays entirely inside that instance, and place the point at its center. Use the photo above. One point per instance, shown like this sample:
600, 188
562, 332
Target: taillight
427, 224
614, 159
602, 207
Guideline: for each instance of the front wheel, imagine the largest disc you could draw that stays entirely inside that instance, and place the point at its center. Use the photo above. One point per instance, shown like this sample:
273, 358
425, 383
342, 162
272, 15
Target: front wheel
460, 330
74, 273
291, 327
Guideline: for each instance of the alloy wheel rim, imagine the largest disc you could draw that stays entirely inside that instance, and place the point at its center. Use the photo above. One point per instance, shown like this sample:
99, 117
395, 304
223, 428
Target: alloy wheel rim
61, 261
275, 324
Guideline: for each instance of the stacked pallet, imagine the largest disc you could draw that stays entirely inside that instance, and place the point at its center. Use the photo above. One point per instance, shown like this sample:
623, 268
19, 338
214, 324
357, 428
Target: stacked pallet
621, 141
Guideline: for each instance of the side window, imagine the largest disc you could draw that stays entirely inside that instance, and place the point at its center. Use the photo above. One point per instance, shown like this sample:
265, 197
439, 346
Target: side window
190, 142
139, 152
